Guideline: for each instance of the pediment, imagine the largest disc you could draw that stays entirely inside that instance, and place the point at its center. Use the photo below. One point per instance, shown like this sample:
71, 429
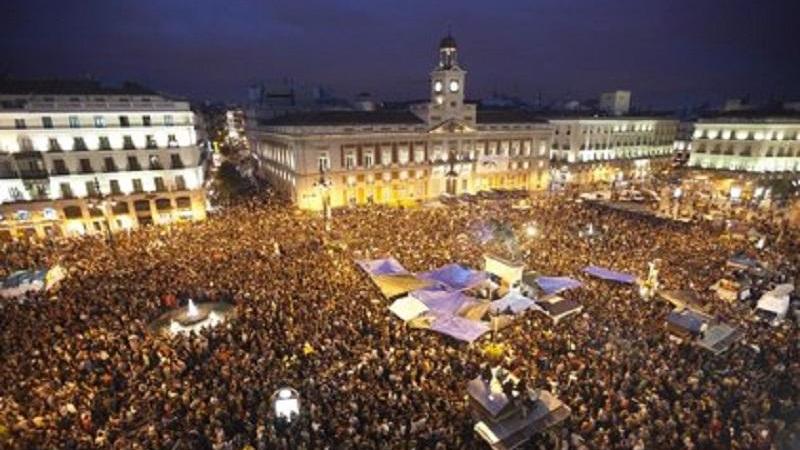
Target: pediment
452, 126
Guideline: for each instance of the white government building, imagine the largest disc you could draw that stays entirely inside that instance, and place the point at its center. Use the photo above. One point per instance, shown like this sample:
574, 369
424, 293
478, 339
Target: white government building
77, 157
444, 145
747, 142
595, 148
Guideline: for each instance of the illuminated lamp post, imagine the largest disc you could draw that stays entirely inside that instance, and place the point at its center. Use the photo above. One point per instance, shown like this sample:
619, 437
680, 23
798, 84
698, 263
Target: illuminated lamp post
452, 175
102, 202
286, 403
323, 185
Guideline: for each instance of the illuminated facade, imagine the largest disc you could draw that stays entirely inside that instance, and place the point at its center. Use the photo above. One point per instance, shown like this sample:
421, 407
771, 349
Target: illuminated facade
443, 146
768, 144
592, 149
76, 158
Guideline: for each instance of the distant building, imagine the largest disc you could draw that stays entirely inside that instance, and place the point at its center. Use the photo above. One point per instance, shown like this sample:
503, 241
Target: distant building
365, 102
597, 148
750, 141
276, 98
736, 104
616, 103
77, 157
392, 156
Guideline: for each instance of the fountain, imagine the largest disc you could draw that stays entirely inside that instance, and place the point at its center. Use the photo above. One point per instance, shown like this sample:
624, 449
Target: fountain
192, 317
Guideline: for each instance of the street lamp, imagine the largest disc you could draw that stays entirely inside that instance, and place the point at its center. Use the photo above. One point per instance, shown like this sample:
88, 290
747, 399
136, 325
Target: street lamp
531, 231
452, 175
102, 202
323, 185
286, 403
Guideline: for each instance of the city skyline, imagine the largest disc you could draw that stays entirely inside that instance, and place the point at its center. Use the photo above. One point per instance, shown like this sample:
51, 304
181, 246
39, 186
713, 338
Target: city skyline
669, 54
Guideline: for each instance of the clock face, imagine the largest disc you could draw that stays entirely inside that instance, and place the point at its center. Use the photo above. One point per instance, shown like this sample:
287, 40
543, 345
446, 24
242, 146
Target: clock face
437, 86
454, 86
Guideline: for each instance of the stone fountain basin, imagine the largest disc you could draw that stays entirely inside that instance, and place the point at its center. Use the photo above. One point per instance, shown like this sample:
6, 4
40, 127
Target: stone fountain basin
178, 320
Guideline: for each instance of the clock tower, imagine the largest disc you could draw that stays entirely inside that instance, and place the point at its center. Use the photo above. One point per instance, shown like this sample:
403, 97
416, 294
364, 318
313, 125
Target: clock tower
447, 90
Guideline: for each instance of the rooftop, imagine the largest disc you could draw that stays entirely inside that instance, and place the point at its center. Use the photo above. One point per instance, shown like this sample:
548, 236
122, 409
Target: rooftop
69, 87
508, 116
754, 115
339, 118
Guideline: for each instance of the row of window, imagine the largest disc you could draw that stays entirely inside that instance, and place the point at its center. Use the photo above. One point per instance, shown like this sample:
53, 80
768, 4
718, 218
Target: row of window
121, 207
608, 145
622, 128
103, 143
98, 122
747, 150
137, 187
110, 165
749, 135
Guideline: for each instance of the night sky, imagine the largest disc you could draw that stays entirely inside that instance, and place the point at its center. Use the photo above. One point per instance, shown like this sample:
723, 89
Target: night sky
670, 53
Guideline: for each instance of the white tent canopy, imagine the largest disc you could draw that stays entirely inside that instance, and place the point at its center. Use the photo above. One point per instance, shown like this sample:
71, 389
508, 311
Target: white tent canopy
408, 308
776, 301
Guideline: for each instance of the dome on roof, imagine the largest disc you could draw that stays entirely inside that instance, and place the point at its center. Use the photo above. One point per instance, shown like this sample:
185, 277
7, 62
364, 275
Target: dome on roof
447, 42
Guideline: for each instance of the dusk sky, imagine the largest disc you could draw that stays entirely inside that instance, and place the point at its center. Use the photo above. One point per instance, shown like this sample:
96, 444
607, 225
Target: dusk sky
670, 53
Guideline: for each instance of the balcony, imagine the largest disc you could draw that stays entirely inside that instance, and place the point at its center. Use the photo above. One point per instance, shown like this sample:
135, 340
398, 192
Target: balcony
60, 172
36, 174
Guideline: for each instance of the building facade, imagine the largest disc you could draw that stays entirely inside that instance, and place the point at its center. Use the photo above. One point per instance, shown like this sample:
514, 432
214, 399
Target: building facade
589, 149
750, 144
443, 146
77, 157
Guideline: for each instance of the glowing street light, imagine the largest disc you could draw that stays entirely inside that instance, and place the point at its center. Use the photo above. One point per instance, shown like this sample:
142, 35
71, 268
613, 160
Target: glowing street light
736, 192
286, 403
531, 230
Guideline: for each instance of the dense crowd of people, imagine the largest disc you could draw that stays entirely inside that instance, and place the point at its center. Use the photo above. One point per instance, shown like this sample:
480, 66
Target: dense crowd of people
81, 371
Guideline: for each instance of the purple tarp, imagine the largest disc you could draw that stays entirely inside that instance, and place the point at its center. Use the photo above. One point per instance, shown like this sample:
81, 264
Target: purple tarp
687, 320
608, 274
460, 328
513, 301
554, 285
386, 266
455, 277
441, 300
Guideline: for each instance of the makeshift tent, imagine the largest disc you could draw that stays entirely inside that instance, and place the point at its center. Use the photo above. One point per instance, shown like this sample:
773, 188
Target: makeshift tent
386, 266
741, 262
21, 282
774, 304
473, 309
508, 271
407, 308
718, 338
730, 290
441, 300
455, 277
394, 285
54, 276
514, 302
462, 329
611, 275
554, 285
685, 323
683, 299
558, 307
